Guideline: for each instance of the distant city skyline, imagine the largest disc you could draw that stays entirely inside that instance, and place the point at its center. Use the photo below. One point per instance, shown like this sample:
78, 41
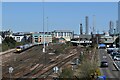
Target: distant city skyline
28, 16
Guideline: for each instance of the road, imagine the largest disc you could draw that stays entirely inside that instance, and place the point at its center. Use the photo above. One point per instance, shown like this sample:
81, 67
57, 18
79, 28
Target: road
110, 72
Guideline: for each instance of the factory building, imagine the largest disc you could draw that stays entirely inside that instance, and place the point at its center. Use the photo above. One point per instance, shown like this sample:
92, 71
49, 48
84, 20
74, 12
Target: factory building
66, 34
38, 38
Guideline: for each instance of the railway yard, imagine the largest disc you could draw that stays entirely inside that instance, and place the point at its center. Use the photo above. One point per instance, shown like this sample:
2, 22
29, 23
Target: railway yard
33, 63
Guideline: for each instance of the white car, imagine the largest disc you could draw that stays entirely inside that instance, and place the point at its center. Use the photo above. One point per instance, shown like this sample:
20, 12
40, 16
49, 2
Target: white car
117, 57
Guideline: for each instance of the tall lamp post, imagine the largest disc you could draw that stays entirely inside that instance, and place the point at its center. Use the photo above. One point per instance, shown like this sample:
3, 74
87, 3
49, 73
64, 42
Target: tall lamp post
43, 31
47, 26
44, 38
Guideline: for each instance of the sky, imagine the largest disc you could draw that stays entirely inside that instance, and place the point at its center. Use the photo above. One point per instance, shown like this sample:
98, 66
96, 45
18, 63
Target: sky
28, 16
60, 0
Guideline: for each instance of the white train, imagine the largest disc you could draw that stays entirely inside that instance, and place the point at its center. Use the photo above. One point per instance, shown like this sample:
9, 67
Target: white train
23, 47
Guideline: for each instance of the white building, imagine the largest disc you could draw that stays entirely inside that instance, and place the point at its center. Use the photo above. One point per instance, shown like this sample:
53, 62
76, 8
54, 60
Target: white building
66, 34
18, 38
107, 38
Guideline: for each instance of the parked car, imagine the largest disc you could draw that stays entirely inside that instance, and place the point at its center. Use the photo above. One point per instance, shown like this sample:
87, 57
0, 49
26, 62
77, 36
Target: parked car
114, 54
117, 57
101, 77
104, 64
109, 51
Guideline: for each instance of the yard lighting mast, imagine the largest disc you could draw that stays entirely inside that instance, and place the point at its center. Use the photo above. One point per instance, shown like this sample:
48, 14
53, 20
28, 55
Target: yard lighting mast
47, 30
43, 31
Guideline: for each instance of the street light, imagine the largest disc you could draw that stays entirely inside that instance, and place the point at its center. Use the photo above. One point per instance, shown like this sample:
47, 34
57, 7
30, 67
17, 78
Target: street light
47, 24
43, 31
44, 36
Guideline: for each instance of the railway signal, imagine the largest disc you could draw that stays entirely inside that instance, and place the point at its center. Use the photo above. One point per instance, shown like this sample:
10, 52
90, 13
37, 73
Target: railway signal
10, 71
56, 69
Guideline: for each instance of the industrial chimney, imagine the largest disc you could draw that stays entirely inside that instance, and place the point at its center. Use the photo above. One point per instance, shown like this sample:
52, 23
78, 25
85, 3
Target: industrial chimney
111, 27
81, 29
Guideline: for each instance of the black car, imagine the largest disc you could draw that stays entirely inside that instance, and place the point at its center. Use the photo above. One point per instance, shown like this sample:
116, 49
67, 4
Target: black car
109, 51
104, 64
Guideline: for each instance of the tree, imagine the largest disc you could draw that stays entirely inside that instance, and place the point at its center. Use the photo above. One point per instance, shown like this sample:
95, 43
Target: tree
66, 73
55, 40
9, 40
8, 43
88, 65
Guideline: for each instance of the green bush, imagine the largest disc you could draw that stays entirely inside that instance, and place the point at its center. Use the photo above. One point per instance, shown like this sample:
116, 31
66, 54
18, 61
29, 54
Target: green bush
66, 73
19, 43
9, 43
4, 47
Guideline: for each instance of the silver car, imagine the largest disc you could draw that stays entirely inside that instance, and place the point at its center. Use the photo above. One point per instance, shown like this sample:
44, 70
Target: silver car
117, 57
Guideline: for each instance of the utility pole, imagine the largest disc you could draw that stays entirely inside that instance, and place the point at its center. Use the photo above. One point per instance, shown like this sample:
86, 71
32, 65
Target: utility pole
47, 26
43, 31
44, 38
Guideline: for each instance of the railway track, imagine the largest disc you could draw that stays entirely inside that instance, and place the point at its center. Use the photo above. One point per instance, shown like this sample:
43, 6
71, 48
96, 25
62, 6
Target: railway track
48, 70
41, 67
22, 66
46, 75
23, 69
21, 62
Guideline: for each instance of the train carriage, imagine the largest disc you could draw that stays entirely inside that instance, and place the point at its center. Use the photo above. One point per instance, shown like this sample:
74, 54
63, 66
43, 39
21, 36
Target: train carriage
23, 47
